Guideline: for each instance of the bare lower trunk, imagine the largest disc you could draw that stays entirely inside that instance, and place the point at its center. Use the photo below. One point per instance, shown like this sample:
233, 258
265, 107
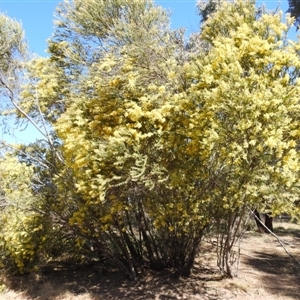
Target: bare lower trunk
258, 221
268, 222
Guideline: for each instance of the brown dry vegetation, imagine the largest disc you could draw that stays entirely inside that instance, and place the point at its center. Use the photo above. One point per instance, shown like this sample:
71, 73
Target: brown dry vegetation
265, 272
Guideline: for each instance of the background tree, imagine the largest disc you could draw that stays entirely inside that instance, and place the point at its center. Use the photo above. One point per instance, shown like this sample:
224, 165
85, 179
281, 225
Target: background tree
294, 10
206, 8
13, 51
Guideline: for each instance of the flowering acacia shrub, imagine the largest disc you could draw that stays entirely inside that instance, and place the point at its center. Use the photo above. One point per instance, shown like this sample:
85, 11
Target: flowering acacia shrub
158, 141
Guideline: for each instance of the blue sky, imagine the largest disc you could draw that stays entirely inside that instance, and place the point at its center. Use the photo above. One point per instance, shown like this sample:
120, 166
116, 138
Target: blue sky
36, 17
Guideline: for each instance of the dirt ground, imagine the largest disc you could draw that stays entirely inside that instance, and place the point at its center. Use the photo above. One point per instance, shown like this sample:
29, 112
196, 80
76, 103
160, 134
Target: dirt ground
266, 272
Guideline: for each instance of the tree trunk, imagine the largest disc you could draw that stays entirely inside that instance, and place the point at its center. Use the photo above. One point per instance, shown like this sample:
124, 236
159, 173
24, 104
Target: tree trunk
268, 223
258, 221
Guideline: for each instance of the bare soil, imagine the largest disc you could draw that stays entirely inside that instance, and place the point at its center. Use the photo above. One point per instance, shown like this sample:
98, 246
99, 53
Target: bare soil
266, 272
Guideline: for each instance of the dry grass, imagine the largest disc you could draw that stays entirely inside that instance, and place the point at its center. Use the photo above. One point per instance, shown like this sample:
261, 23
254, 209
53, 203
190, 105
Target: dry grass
266, 272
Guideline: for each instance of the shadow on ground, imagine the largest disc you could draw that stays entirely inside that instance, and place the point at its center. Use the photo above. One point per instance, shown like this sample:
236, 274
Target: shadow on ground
280, 275
98, 283
282, 231
267, 272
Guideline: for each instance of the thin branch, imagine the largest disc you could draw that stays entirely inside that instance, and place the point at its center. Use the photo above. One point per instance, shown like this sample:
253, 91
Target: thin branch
11, 97
45, 128
278, 239
24, 153
46, 135
43, 121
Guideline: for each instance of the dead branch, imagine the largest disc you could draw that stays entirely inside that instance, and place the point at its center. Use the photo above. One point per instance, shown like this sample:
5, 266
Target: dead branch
277, 238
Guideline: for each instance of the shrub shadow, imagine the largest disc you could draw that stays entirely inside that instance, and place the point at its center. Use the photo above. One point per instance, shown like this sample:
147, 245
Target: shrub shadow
99, 282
